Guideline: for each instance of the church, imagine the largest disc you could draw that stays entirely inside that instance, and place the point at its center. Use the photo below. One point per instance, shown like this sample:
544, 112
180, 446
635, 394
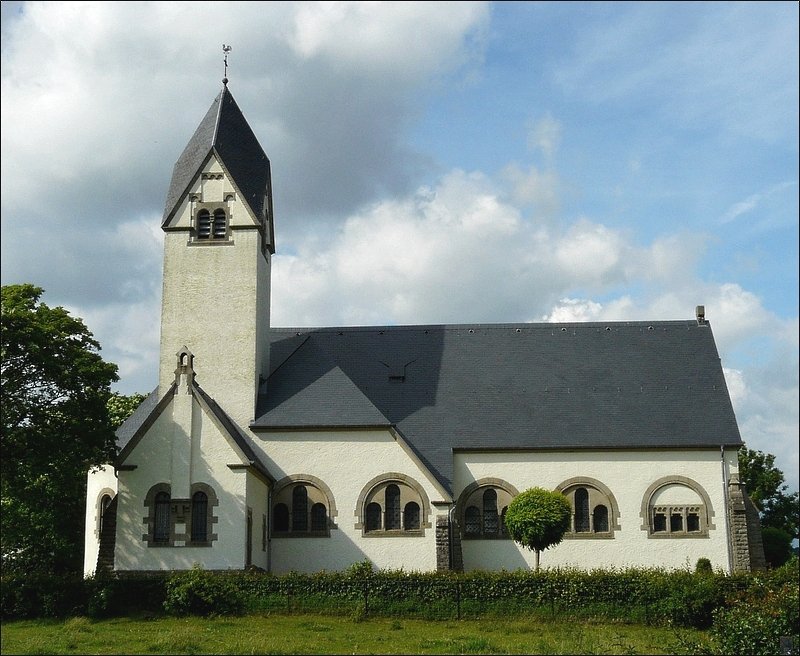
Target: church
308, 449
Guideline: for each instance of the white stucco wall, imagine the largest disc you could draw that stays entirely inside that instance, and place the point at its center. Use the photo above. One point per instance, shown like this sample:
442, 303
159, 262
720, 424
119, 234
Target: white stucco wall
628, 474
346, 461
155, 459
215, 302
99, 482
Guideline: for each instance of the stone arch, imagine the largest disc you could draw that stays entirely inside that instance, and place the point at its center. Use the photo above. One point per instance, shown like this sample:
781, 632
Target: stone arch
675, 479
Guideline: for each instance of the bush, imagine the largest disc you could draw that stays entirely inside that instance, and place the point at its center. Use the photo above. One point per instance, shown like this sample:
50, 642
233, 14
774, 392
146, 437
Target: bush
756, 620
198, 592
703, 566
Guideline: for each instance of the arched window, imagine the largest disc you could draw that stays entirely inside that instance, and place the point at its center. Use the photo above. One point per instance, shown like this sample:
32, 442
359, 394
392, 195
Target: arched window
481, 508
203, 224
299, 508
472, 521
393, 504
281, 518
676, 507
373, 517
601, 519
392, 508
302, 507
411, 516
594, 509
319, 517
199, 517
105, 502
162, 524
581, 499
220, 224
490, 518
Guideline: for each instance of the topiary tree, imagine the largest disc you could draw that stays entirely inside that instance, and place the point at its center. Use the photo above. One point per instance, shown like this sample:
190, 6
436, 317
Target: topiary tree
537, 519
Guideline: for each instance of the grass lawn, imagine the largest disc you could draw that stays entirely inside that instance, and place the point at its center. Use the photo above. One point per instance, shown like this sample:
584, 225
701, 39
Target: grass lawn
324, 634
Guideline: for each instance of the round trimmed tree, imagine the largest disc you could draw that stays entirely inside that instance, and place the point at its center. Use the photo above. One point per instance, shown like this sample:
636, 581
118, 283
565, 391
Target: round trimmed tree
537, 519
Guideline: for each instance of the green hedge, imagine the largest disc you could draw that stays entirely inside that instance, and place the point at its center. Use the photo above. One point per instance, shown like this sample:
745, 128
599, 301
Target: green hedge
655, 596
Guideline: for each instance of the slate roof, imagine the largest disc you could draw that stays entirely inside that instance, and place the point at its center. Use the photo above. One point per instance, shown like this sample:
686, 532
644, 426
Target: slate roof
505, 386
225, 131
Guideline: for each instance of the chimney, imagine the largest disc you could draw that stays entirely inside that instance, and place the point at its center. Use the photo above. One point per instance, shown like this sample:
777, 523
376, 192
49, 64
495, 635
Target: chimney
700, 313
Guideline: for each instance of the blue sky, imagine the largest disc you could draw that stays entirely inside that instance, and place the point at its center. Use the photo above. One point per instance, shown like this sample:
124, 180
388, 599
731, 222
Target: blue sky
432, 163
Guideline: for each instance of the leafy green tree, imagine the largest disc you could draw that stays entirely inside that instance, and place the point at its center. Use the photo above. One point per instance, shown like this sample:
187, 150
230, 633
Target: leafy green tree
120, 407
777, 546
55, 427
537, 519
766, 487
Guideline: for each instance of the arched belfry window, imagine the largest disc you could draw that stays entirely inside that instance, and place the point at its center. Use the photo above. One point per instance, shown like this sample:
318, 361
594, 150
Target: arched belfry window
211, 225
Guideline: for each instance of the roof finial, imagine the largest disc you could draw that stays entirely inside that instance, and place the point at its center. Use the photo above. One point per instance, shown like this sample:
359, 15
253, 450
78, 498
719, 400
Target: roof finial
226, 50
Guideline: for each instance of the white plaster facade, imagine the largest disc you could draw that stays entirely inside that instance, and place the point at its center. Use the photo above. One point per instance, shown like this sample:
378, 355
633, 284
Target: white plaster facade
628, 475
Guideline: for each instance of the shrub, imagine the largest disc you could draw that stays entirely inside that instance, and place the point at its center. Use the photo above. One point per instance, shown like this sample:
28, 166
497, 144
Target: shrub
198, 592
756, 620
703, 566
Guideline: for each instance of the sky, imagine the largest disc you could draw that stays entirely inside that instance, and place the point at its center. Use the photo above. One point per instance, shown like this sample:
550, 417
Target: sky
432, 162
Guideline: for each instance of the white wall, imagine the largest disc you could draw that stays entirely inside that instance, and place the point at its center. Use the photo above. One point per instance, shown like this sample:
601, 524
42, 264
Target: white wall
98, 483
211, 453
627, 474
346, 461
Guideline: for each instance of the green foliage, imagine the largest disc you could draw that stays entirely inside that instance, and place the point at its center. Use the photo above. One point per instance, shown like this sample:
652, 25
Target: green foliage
120, 407
55, 426
198, 592
756, 620
538, 518
766, 487
703, 566
777, 546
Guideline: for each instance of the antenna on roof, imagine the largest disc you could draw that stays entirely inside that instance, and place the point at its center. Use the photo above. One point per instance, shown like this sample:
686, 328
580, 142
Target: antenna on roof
226, 50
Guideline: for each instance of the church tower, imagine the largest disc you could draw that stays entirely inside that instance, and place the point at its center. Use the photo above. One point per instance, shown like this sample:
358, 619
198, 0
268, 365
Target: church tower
218, 243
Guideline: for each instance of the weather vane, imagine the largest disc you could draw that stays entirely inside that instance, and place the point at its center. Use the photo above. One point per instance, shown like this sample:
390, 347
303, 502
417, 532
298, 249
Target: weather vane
226, 50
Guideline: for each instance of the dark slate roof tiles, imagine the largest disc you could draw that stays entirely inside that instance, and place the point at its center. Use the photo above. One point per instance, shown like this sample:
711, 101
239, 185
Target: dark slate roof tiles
508, 386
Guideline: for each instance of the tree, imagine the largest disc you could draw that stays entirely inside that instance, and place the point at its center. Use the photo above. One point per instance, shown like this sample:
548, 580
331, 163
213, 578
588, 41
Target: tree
766, 487
537, 519
55, 427
120, 407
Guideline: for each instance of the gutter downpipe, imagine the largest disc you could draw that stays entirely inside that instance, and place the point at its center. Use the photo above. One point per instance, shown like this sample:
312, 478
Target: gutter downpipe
450, 558
725, 493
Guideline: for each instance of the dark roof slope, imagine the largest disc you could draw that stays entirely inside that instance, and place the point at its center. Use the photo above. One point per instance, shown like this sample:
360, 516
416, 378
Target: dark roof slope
506, 386
224, 130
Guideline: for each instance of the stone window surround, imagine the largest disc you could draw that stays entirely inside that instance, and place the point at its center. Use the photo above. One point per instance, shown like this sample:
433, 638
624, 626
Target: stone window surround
197, 206
568, 487
410, 490
706, 510
474, 491
282, 494
180, 513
